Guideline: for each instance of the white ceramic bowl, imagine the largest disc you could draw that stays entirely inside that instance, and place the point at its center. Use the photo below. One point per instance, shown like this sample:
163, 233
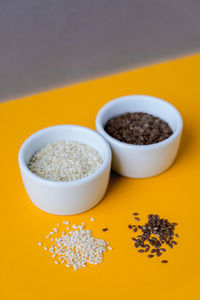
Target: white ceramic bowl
72, 197
147, 160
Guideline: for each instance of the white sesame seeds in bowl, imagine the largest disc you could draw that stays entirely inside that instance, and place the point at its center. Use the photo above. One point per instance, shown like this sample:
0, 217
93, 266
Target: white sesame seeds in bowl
60, 188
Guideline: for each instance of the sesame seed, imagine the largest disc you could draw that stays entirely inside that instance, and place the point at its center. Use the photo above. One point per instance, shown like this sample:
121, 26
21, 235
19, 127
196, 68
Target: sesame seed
47, 236
39, 244
92, 219
45, 248
65, 161
110, 248
78, 247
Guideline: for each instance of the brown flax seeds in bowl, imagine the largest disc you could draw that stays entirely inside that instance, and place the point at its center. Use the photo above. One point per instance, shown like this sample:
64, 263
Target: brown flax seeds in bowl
138, 128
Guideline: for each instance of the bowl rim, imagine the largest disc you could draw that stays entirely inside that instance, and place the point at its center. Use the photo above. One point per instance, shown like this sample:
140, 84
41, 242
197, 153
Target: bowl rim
23, 166
112, 140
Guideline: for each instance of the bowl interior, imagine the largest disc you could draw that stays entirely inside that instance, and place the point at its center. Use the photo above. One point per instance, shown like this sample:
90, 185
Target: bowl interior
63, 132
147, 104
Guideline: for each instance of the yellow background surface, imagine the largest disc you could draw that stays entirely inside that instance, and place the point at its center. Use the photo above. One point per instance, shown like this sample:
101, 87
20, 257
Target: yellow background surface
29, 272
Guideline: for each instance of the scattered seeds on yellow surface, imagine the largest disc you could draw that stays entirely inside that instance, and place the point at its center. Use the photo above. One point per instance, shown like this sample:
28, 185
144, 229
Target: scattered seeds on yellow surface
77, 248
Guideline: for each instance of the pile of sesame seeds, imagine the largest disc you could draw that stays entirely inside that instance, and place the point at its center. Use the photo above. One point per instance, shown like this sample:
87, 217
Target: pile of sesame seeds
65, 161
77, 247
155, 234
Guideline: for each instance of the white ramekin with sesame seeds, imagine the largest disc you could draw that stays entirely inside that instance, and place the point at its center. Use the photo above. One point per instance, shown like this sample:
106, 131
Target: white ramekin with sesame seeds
141, 161
71, 197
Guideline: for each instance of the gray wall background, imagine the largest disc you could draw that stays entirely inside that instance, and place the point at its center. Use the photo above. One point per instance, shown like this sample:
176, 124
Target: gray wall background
50, 43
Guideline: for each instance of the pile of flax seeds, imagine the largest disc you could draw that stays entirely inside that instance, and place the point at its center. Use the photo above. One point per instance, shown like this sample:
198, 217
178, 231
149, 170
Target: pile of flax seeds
154, 235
